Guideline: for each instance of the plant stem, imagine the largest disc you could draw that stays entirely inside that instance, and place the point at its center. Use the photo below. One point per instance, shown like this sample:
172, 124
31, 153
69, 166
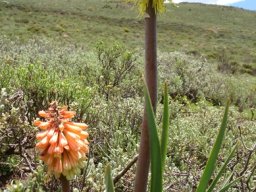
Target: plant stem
65, 184
151, 81
124, 171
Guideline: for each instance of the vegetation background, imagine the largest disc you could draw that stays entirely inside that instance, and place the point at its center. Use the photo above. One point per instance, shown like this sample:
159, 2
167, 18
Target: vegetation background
89, 55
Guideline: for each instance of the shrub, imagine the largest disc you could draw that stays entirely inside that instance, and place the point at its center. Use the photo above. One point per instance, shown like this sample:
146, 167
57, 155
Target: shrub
116, 64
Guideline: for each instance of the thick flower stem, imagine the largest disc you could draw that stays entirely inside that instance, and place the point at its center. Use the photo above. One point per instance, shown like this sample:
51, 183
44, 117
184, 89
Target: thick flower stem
151, 81
65, 184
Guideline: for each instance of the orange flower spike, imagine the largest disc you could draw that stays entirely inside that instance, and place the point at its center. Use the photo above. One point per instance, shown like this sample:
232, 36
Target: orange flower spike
63, 144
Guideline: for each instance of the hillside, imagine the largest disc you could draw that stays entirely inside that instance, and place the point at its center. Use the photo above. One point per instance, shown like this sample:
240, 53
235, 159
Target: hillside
221, 34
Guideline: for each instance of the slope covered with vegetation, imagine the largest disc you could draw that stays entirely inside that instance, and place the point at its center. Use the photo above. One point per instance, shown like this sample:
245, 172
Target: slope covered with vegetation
89, 55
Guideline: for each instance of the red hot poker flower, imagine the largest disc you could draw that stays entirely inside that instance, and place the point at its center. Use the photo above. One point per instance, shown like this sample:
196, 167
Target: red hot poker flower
63, 144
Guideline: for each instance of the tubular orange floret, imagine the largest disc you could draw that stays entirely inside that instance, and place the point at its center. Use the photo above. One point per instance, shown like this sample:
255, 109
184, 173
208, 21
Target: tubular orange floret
72, 128
37, 123
58, 165
44, 125
86, 141
80, 143
71, 136
44, 157
83, 135
61, 127
62, 140
50, 160
71, 160
43, 114
67, 147
67, 114
85, 149
41, 135
66, 164
54, 138
58, 150
73, 145
50, 133
63, 144
83, 126
51, 148
43, 143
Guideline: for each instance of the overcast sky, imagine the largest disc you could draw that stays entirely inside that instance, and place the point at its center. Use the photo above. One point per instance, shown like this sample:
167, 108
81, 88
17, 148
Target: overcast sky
245, 4
218, 2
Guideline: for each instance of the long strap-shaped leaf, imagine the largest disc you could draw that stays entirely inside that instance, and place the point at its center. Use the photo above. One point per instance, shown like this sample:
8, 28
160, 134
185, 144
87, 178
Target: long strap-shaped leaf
227, 186
155, 154
222, 169
165, 130
210, 165
108, 180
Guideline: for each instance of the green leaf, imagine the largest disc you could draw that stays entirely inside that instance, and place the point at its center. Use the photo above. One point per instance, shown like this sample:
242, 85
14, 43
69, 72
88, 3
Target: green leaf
227, 186
213, 184
155, 154
210, 165
108, 180
165, 131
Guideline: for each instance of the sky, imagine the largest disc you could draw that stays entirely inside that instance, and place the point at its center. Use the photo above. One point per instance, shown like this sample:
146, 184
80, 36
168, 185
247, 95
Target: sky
246, 4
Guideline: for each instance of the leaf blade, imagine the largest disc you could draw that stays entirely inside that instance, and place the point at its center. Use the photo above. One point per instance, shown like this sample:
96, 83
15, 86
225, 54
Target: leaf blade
210, 165
108, 180
165, 128
155, 153
213, 184
227, 186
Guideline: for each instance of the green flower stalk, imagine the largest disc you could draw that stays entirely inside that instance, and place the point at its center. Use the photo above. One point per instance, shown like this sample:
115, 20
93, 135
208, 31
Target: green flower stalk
151, 82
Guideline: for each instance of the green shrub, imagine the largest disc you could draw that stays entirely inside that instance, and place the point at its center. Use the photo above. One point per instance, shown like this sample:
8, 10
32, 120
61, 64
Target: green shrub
116, 64
195, 78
